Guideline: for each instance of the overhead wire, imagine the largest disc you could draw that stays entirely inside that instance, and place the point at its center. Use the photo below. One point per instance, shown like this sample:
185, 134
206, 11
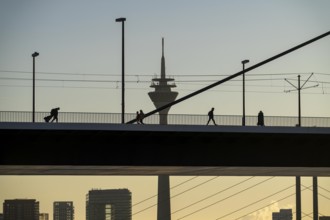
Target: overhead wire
153, 74
145, 81
150, 76
178, 82
133, 81
136, 88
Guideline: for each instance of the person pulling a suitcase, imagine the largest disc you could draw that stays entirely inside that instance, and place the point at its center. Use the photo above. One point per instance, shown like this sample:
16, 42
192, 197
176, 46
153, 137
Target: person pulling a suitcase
53, 114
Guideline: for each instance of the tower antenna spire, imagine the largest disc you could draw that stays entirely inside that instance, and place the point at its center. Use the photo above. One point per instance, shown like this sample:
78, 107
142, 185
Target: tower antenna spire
162, 46
162, 66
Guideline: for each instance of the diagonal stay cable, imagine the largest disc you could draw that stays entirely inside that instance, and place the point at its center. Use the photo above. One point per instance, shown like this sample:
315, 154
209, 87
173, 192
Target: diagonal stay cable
171, 188
194, 187
256, 202
174, 195
198, 210
306, 215
320, 194
233, 76
324, 189
270, 204
212, 195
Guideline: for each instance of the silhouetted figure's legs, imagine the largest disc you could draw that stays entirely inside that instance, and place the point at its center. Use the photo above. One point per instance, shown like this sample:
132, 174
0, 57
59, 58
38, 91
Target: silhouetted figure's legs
214, 121
210, 120
55, 118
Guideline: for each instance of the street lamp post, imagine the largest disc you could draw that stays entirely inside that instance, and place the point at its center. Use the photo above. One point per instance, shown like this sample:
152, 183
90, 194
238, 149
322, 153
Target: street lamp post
299, 103
243, 119
122, 20
34, 55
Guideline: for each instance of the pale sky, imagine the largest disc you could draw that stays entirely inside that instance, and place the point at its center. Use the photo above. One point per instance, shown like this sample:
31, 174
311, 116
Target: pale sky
79, 70
79, 40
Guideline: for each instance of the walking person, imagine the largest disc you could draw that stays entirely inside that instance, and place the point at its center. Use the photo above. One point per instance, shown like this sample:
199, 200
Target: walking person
137, 118
53, 114
211, 116
260, 119
141, 116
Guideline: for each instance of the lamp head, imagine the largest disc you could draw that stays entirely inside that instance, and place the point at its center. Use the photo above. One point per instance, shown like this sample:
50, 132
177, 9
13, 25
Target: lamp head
35, 54
120, 19
245, 61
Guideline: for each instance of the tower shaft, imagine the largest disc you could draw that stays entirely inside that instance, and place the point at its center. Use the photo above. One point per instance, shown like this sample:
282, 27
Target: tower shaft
164, 199
160, 97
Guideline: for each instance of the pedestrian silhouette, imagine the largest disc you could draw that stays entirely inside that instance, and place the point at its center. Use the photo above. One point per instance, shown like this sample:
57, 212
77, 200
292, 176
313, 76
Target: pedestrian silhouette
211, 116
53, 114
141, 116
137, 118
260, 119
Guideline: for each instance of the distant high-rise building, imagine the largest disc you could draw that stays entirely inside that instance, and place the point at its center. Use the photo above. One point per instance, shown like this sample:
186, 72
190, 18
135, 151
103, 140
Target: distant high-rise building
1, 216
43, 216
109, 204
63, 210
324, 218
284, 214
21, 209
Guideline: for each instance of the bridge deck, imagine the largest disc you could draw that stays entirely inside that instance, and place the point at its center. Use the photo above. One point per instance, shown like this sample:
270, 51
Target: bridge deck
122, 149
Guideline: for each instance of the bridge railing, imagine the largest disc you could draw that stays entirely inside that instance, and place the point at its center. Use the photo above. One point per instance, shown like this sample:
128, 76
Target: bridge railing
173, 119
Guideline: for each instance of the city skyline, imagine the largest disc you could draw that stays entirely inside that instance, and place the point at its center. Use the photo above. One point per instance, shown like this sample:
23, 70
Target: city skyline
185, 191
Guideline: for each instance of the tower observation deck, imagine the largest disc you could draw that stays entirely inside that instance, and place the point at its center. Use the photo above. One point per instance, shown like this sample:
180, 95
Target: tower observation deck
162, 94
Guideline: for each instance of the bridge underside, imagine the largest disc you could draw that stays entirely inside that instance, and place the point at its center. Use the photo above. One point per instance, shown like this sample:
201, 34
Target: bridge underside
126, 149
